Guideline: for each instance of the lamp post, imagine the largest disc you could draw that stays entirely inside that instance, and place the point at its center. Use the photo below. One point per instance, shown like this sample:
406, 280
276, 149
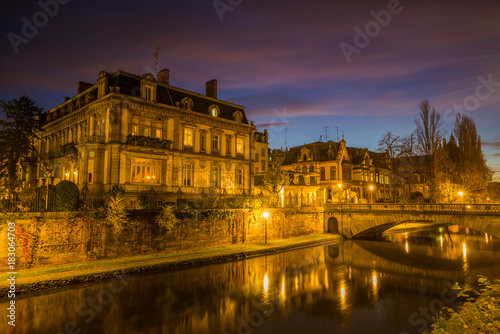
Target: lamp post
460, 193
371, 194
265, 215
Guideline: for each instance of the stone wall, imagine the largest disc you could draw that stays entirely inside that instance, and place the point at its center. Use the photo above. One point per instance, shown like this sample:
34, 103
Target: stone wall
54, 241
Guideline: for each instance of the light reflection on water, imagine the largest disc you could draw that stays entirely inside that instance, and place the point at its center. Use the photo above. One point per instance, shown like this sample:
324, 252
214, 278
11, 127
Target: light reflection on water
353, 287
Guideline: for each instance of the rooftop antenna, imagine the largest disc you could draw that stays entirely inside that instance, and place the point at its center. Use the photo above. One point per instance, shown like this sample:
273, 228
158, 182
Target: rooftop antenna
286, 129
156, 60
326, 132
337, 132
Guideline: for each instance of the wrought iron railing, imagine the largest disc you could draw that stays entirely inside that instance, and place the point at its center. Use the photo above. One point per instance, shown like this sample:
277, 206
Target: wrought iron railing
482, 208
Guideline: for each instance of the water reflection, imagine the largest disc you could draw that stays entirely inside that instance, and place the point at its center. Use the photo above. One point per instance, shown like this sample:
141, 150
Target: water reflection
354, 287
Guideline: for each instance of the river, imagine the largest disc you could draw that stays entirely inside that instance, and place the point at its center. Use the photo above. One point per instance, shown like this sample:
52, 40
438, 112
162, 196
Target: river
393, 285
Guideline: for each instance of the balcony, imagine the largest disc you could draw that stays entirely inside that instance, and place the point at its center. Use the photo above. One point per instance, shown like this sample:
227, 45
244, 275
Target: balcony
149, 142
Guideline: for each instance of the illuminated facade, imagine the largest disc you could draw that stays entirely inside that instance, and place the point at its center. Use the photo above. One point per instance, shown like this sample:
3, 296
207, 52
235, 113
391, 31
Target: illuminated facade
326, 172
142, 133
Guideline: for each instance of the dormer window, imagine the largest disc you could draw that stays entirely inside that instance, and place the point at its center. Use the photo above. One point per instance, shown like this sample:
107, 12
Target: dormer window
187, 103
214, 110
148, 87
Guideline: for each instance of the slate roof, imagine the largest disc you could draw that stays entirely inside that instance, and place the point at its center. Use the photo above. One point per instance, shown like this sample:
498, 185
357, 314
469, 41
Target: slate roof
166, 94
320, 153
318, 149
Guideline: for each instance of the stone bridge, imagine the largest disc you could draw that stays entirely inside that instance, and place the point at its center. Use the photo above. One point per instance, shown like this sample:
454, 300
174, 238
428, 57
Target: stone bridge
362, 221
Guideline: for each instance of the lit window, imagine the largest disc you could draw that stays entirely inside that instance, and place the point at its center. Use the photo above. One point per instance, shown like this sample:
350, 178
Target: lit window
145, 171
239, 177
240, 145
158, 133
188, 175
147, 131
91, 170
135, 129
215, 177
188, 137
215, 142
214, 111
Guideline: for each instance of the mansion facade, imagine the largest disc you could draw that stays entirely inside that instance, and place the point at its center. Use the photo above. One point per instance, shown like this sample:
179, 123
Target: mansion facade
141, 133
329, 172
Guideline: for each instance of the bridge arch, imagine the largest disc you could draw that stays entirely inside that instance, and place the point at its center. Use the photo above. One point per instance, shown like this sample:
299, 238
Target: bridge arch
333, 225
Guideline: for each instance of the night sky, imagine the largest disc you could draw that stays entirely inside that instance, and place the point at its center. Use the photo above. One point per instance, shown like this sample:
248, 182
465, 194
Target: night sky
282, 60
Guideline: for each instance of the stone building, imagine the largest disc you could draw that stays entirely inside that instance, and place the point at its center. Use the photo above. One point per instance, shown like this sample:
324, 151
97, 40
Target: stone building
144, 134
329, 172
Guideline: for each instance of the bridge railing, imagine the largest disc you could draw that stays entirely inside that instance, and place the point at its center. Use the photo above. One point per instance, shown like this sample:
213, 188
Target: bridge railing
482, 208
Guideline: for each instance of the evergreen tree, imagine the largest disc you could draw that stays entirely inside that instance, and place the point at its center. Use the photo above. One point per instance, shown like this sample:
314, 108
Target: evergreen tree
17, 137
473, 173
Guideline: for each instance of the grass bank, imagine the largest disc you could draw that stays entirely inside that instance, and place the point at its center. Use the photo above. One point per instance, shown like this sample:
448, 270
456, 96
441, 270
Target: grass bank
50, 277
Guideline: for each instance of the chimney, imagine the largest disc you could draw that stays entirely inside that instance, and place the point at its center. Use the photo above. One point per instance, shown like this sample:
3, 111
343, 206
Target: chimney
212, 88
83, 86
164, 76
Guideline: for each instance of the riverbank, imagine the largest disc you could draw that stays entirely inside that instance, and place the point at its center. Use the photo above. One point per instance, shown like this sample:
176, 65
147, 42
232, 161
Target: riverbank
48, 278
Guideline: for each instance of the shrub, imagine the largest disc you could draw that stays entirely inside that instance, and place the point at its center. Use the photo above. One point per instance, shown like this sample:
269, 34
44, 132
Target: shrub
116, 212
166, 218
66, 196
479, 316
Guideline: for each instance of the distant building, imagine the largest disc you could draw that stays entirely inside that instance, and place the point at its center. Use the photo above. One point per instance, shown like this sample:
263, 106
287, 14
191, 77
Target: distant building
329, 172
144, 134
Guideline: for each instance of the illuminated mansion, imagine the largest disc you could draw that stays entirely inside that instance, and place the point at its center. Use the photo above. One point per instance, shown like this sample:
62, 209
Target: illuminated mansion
142, 133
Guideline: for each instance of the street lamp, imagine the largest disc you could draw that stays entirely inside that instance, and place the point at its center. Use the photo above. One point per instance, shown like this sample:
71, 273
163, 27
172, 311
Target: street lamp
265, 215
371, 194
460, 193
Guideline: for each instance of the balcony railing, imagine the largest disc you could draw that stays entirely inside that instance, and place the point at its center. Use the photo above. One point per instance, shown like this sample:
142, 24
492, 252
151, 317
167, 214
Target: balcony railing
463, 208
149, 142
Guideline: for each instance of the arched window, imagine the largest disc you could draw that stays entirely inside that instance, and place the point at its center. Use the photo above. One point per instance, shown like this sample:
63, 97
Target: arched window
311, 169
304, 169
213, 110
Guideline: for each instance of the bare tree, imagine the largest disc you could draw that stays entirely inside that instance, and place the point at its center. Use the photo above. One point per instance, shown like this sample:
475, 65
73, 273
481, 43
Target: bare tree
391, 144
429, 135
428, 132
